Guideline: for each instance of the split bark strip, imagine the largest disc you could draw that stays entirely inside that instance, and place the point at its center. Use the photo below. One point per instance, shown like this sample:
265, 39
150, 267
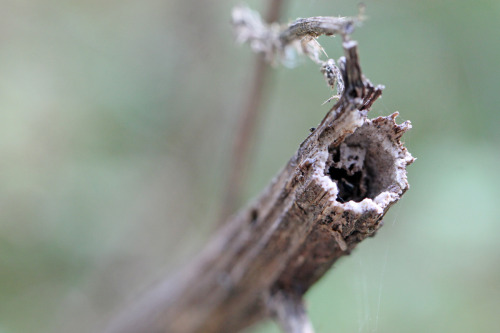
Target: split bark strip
330, 196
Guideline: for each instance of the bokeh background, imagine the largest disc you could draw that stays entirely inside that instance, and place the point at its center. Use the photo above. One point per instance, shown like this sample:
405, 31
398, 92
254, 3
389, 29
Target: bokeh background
116, 123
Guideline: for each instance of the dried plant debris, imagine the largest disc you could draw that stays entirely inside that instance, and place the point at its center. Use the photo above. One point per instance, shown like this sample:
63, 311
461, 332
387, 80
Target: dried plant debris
281, 43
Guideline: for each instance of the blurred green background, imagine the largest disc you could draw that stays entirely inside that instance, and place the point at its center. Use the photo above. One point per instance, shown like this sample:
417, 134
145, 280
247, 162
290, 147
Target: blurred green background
116, 123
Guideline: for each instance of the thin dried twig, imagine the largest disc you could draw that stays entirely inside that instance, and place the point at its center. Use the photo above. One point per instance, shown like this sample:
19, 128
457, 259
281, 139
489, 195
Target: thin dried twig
279, 44
247, 124
277, 41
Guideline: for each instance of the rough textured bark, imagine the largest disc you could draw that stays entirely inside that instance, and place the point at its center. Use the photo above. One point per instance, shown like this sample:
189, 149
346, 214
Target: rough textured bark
331, 195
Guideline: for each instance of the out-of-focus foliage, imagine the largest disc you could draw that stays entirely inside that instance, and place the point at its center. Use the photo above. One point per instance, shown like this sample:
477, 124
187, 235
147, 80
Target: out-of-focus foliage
116, 121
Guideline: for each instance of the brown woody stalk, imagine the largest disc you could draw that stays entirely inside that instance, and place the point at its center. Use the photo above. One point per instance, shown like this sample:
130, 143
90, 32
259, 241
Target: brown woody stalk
332, 194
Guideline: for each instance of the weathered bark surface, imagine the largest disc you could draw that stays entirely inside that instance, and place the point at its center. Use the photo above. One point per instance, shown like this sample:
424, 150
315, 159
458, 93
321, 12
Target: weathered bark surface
331, 195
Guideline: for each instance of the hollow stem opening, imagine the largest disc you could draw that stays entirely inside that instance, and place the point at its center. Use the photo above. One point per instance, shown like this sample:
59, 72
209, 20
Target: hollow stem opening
359, 166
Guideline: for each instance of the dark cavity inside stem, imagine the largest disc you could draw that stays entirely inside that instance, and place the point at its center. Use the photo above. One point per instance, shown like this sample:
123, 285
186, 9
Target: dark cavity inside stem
360, 166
